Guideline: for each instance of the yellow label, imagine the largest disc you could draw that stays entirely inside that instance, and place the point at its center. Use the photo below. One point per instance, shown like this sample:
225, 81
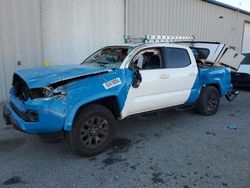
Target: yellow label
46, 63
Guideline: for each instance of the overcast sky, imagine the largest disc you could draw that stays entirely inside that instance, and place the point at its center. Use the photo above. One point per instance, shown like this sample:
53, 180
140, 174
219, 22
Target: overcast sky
242, 4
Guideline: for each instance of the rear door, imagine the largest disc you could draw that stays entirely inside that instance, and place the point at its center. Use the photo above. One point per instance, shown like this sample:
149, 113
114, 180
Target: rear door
180, 65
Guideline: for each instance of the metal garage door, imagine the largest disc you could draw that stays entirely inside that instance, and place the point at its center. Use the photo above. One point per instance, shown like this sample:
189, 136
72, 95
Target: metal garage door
246, 38
20, 39
72, 29
2, 77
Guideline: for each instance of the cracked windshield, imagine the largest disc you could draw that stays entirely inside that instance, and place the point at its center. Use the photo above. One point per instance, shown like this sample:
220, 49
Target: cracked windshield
111, 57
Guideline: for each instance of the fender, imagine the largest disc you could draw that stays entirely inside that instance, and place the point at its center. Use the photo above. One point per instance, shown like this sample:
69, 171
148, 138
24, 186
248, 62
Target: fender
119, 91
72, 110
219, 77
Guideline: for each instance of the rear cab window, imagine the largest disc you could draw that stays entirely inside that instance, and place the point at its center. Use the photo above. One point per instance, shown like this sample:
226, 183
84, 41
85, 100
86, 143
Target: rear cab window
200, 53
175, 57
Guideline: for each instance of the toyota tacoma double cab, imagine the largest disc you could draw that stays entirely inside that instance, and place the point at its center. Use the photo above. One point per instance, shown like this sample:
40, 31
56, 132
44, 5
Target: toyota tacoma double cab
85, 101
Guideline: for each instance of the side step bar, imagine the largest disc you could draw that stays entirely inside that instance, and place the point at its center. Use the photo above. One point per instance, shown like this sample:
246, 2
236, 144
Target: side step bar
231, 95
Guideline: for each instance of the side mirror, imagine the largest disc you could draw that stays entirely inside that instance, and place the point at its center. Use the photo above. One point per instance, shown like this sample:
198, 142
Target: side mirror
136, 79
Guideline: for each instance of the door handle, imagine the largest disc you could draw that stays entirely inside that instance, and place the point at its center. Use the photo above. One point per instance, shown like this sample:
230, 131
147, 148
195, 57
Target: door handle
192, 74
164, 76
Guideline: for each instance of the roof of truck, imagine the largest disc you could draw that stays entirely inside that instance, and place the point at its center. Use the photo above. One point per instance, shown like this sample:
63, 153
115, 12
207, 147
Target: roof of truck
206, 42
133, 45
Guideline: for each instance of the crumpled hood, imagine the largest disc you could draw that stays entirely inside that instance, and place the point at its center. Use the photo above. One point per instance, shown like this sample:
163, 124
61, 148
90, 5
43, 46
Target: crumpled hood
44, 76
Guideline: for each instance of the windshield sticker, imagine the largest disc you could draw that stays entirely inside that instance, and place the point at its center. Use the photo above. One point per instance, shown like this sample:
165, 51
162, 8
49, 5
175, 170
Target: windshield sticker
112, 83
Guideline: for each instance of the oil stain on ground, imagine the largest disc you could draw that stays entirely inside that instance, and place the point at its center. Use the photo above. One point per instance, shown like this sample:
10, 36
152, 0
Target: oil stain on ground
111, 160
8, 128
119, 145
157, 179
11, 144
13, 180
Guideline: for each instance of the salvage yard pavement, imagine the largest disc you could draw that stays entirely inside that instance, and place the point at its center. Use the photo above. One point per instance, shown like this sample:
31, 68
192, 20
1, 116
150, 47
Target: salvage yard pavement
173, 149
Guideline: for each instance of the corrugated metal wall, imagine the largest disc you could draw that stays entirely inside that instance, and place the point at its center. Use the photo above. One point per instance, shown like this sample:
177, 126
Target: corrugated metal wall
73, 29
20, 27
20, 39
246, 38
204, 20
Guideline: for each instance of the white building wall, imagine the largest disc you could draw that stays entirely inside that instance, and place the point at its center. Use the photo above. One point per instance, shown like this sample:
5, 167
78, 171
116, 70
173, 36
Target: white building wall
73, 29
246, 38
61, 31
20, 39
204, 20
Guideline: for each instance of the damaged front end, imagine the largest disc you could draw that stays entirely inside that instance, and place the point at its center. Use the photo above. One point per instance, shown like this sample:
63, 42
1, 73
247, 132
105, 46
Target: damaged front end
36, 110
41, 98
47, 92
21, 90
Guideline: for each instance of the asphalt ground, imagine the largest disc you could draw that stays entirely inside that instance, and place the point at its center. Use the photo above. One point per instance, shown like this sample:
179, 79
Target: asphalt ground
170, 149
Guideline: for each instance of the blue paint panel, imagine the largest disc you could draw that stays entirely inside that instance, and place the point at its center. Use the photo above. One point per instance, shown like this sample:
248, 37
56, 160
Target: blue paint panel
44, 76
57, 113
96, 92
195, 91
49, 120
211, 76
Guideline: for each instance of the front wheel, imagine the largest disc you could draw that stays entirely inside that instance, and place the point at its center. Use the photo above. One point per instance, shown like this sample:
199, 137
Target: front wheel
209, 101
93, 130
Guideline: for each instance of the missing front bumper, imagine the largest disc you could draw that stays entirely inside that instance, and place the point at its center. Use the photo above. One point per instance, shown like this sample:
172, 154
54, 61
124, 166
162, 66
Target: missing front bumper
6, 116
9, 120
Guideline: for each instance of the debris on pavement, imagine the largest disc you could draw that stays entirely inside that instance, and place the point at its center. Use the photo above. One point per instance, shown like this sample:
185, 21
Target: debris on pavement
232, 126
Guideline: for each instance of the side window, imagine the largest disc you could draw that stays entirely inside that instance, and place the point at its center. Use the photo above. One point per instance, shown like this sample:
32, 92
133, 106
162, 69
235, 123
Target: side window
200, 53
176, 58
147, 59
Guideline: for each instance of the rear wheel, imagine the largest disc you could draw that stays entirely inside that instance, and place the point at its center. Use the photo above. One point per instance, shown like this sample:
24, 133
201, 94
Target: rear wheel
93, 130
209, 101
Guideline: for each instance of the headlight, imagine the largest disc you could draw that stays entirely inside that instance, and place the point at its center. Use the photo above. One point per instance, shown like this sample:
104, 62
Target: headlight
50, 92
36, 93
47, 92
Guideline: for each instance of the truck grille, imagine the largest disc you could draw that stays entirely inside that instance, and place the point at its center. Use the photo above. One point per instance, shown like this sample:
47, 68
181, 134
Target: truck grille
21, 89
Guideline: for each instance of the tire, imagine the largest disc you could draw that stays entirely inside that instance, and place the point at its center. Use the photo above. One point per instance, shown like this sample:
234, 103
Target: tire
209, 101
93, 131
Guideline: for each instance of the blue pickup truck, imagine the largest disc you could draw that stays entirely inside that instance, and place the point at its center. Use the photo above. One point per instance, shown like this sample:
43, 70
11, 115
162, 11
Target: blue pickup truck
84, 101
